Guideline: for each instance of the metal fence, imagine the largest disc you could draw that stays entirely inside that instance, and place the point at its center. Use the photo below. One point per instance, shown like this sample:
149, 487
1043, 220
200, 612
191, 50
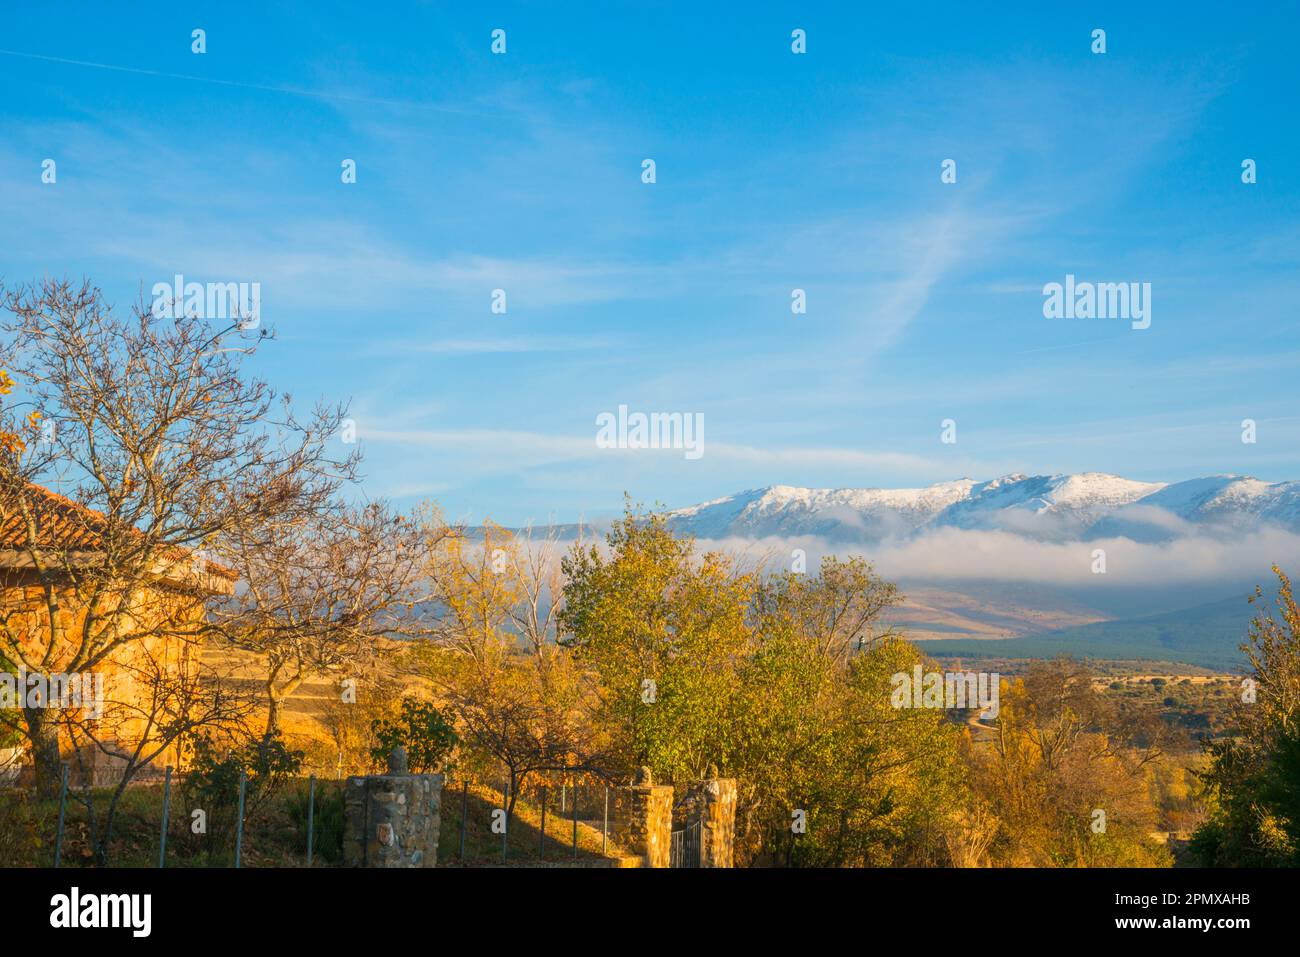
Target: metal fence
545, 821
685, 847
188, 820
199, 822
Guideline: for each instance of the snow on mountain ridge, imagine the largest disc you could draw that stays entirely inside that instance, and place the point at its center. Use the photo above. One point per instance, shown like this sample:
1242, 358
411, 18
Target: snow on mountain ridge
1061, 506
933, 496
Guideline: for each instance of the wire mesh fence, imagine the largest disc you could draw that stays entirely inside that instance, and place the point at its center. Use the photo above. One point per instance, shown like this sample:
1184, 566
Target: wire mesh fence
192, 820
550, 820
178, 820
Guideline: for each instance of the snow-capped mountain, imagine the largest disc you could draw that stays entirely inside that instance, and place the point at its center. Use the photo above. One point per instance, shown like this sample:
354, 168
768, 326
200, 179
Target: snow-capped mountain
1054, 507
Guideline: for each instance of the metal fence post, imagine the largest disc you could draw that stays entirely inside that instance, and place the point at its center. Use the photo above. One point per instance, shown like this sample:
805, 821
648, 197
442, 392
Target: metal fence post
541, 840
575, 821
166, 813
63, 803
604, 827
505, 823
464, 813
311, 816
239, 826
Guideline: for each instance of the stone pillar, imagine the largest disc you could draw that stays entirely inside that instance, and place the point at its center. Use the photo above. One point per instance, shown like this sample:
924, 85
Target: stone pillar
718, 823
392, 819
643, 820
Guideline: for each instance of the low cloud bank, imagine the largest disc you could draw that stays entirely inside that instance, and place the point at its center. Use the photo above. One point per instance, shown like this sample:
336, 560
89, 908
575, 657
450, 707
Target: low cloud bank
952, 554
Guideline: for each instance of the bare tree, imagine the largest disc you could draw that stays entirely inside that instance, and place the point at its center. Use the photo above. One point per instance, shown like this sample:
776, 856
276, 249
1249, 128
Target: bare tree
133, 730
162, 449
323, 590
520, 699
840, 608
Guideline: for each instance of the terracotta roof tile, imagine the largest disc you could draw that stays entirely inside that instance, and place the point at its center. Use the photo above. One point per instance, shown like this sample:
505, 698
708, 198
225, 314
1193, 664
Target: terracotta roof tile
63, 524
60, 522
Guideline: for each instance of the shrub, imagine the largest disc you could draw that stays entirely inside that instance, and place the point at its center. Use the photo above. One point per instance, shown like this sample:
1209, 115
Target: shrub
212, 784
11, 720
20, 830
327, 822
422, 730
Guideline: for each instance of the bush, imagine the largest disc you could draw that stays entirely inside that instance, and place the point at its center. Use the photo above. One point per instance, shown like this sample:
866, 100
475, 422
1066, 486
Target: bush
266, 765
212, 785
11, 720
327, 822
20, 830
422, 730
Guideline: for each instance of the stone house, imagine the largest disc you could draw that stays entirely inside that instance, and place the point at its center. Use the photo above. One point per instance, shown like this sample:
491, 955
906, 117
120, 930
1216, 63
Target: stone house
60, 608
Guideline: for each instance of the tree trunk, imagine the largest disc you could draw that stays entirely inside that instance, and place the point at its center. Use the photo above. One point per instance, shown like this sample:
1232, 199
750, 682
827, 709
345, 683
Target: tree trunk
513, 796
276, 695
273, 707
43, 733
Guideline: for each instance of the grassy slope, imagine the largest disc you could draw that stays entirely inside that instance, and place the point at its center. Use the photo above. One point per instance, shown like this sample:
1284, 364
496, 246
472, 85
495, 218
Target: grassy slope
1207, 635
482, 847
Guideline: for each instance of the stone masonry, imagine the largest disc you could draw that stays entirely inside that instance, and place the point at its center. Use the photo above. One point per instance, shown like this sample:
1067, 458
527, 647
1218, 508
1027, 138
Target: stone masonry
718, 823
643, 820
712, 804
392, 819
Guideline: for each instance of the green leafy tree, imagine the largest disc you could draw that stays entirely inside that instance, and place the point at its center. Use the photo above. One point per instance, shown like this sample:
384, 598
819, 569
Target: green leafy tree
871, 782
1254, 776
422, 730
664, 629
11, 727
781, 681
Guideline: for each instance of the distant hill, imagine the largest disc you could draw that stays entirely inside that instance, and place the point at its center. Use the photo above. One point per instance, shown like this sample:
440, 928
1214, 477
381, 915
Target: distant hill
978, 562
1066, 507
1081, 506
1205, 635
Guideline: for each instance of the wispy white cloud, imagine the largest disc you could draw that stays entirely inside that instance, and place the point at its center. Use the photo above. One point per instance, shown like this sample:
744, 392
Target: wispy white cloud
406, 347
332, 95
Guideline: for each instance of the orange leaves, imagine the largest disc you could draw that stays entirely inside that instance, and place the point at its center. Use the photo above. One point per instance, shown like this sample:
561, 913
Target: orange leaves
9, 441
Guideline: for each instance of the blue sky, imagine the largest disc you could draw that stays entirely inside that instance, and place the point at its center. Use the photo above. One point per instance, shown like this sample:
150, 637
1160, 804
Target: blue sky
775, 171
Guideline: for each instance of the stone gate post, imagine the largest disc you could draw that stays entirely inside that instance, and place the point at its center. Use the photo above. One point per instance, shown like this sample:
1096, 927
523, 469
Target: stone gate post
718, 822
392, 819
643, 819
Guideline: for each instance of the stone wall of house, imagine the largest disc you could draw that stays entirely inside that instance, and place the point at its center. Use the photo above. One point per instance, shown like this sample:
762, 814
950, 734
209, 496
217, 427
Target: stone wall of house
128, 705
392, 819
643, 820
95, 767
11, 766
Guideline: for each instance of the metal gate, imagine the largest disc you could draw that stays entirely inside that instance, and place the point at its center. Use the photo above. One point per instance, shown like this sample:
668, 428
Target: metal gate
685, 847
